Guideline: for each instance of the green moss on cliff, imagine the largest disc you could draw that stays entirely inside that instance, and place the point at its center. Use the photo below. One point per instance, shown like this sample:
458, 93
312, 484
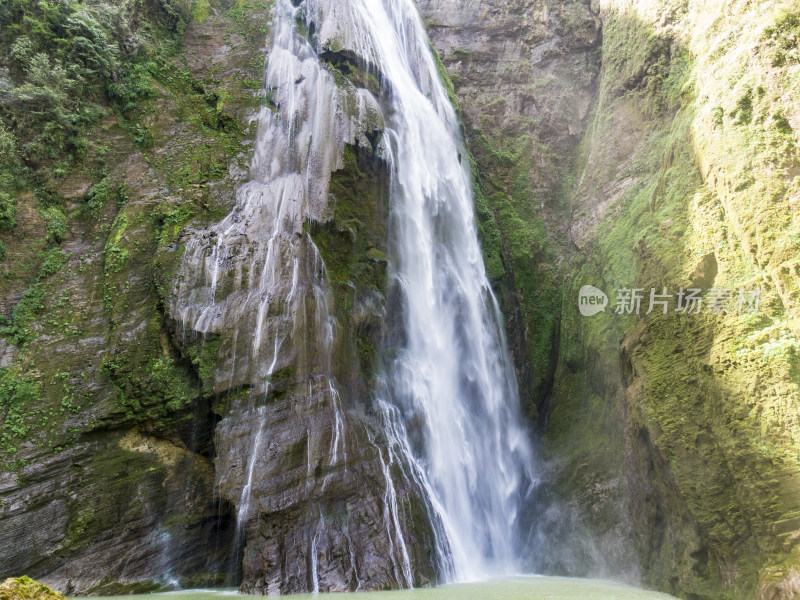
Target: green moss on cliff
25, 588
683, 171
99, 174
349, 244
353, 246
520, 252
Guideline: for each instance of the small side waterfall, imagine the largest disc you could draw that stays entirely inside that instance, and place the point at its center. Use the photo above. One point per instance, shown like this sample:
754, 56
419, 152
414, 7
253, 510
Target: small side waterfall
257, 279
441, 439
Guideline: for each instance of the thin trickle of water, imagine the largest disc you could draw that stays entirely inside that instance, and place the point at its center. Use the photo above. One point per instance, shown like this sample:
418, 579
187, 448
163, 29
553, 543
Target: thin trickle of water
244, 502
338, 437
394, 530
313, 555
353, 560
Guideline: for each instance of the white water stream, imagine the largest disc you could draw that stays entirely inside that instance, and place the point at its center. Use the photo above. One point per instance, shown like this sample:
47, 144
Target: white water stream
453, 375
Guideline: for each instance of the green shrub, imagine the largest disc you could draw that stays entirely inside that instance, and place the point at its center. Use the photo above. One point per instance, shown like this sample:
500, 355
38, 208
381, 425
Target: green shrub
175, 14
43, 108
717, 115
53, 261
131, 87
97, 197
20, 55
744, 108
12, 175
100, 194
8, 211
15, 394
783, 38
25, 314
8, 146
92, 46
782, 123
56, 223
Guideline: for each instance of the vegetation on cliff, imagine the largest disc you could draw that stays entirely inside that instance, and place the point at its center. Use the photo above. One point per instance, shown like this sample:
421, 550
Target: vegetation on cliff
353, 246
24, 588
700, 194
85, 86
117, 130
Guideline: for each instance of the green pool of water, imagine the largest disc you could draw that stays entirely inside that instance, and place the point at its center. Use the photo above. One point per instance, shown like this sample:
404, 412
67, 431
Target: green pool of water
519, 588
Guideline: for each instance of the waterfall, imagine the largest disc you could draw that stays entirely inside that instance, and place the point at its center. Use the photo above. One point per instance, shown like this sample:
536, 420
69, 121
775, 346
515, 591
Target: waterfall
452, 375
444, 417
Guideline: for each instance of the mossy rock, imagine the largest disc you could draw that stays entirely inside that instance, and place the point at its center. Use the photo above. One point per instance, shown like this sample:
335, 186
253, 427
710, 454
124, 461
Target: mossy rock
25, 588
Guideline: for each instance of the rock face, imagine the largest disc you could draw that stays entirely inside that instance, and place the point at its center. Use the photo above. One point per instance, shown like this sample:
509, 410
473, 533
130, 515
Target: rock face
670, 439
107, 482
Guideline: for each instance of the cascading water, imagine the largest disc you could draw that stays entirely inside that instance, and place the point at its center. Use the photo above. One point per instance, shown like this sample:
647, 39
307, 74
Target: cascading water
442, 425
453, 374
258, 274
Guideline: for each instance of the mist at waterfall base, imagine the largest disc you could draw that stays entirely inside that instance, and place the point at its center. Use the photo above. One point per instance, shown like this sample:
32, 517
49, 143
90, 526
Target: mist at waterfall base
446, 397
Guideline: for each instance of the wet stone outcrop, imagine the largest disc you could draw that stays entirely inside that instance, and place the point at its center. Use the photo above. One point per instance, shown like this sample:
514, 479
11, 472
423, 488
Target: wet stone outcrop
313, 477
284, 296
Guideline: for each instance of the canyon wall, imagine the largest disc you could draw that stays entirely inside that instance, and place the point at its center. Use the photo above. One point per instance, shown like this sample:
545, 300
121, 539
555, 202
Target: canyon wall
615, 144
108, 477
669, 440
